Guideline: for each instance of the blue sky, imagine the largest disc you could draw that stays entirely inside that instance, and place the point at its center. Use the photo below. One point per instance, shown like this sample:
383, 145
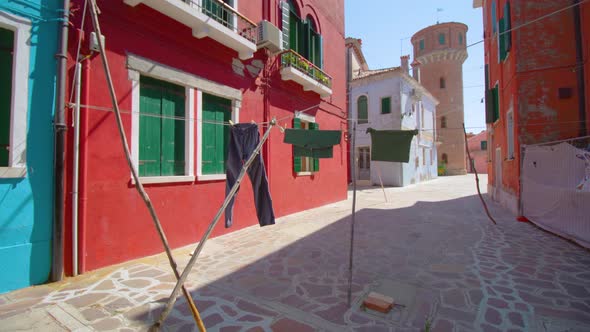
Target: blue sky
387, 25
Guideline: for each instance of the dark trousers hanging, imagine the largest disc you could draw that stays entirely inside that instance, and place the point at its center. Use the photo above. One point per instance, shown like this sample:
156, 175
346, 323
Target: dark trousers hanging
243, 139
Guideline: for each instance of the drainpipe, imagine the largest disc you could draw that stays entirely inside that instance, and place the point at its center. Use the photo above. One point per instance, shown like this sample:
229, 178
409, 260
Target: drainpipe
75, 172
580, 68
57, 265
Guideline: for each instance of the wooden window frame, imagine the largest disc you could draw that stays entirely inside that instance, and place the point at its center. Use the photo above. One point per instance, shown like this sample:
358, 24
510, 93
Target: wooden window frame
19, 105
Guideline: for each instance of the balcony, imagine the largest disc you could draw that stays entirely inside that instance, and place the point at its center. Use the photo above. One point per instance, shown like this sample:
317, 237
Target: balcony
209, 18
296, 68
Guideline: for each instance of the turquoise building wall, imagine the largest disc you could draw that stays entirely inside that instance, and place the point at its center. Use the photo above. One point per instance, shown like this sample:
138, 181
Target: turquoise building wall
26, 203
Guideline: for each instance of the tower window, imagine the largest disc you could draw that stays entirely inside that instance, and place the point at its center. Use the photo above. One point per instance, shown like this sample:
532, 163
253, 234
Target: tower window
460, 38
421, 44
441, 38
443, 84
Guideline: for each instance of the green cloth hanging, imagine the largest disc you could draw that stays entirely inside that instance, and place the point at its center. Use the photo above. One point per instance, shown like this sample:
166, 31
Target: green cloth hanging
312, 143
391, 145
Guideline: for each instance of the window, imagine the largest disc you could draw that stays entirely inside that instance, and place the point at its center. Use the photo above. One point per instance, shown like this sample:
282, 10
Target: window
443, 122
303, 35
161, 128
442, 83
483, 145
445, 158
215, 135
14, 95
421, 44
441, 38
6, 51
510, 133
460, 38
362, 110
386, 105
305, 165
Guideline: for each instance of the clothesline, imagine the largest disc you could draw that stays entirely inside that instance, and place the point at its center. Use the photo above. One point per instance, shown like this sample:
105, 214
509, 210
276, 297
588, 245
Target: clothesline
183, 118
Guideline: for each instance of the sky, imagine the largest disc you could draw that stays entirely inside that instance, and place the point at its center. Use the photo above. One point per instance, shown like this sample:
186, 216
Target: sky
386, 27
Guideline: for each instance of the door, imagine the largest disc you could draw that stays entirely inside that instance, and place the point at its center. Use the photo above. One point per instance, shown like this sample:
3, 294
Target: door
364, 163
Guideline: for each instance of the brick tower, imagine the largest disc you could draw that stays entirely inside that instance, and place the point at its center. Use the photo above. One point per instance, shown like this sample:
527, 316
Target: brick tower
440, 50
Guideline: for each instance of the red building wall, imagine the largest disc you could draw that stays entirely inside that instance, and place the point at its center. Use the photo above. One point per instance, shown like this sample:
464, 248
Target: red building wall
585, 16
542, 60
479, 155
115, 226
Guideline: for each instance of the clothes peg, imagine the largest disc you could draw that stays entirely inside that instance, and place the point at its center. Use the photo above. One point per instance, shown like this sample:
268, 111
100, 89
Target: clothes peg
252, 121
231, 123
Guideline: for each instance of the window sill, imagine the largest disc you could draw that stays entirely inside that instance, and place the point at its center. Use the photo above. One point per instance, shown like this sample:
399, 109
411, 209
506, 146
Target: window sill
164, 179
12, 172
305, 173
211, 177
509, 159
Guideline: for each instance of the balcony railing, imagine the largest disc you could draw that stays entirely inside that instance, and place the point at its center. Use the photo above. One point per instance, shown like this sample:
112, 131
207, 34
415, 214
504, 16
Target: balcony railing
290, 58
210, 18
227, 16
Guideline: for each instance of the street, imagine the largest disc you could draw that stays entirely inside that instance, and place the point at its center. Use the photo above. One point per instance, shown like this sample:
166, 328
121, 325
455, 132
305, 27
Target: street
430, 246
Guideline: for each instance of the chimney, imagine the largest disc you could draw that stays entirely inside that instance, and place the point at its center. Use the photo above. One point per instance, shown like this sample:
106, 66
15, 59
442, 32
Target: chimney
416, 70
405, 61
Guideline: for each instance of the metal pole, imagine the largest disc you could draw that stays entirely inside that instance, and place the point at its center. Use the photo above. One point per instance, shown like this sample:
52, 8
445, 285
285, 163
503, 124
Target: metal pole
138, 185
205, 236
75, 172
351, 253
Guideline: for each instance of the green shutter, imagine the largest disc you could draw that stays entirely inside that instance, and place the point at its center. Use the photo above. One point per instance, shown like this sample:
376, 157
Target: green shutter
6, 51
507, 27
161, 128
441, 38
385, 105
494, 16
215, 135
315, 161
319, 51
501, 41
421, 44
150, 128
173, 137
362, 110
285, 21
306, 51
496, 103
296, 160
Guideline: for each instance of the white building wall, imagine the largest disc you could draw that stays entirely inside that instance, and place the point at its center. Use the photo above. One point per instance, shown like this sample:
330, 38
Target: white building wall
395, 173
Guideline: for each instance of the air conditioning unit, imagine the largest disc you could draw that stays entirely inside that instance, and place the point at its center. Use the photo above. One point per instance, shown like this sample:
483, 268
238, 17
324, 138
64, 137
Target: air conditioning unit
270, 37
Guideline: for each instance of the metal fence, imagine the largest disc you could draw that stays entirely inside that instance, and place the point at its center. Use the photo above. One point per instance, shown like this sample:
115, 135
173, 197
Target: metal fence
227, 16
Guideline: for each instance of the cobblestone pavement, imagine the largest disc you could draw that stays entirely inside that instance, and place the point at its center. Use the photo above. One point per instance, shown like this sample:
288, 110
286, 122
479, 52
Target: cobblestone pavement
430, 246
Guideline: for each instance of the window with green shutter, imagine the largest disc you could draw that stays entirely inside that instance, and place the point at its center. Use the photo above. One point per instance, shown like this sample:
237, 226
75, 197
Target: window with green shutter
161, 128
441, 38
386, 105
460, 38
421, 44
302, 35
505, 38
6, 59
484, 145
494, 17
362, 110
215, 135
305, 164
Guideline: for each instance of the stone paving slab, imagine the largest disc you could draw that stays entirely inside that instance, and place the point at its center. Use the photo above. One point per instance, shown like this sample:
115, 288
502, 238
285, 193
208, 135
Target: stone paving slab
429, 245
